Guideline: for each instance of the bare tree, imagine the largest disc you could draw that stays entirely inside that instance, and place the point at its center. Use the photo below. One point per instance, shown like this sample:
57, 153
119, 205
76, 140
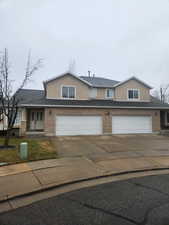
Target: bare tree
162, 94
9, 100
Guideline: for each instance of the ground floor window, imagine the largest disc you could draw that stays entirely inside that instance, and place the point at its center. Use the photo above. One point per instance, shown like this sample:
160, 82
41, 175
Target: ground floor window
36, 119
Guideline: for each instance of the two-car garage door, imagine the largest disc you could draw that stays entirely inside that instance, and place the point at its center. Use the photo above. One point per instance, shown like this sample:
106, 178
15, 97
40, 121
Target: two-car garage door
92, 125
78, 125
131, 124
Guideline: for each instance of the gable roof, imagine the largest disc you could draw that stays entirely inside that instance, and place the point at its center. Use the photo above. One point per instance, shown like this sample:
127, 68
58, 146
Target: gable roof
97, 82
133, 78
36, 98
90, 81
67, 74
100, 81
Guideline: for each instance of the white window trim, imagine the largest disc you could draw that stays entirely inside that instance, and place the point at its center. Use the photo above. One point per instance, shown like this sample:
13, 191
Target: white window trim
68, 86
134, 99
106, 93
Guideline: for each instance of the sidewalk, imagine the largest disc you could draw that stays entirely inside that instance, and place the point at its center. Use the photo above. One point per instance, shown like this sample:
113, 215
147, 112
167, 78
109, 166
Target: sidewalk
20, 179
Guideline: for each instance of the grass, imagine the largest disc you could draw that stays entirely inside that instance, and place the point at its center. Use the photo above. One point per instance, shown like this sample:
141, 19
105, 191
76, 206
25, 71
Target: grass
38, 149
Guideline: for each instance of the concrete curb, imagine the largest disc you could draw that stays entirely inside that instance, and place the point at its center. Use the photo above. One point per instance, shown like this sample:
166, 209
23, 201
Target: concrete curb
53, 186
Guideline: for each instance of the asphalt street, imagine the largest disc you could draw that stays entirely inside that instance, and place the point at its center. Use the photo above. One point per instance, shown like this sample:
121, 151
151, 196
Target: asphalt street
141, 201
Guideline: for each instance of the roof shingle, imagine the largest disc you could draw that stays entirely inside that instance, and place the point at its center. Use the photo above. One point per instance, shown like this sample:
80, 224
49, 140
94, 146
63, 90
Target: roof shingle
37, 98
100, 81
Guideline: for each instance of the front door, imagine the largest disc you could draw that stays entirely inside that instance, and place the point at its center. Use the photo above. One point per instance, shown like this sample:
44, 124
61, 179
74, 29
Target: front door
36, 120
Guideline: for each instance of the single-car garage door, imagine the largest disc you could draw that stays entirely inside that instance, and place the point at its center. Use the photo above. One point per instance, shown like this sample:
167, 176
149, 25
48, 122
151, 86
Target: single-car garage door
78, 125
131, 124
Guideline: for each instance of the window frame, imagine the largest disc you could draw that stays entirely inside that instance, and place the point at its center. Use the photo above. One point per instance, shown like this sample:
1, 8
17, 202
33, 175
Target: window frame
112, 93
68, 86
133, 89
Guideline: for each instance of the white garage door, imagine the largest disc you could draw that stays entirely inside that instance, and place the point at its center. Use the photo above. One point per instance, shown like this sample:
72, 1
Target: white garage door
78, 125
131, 124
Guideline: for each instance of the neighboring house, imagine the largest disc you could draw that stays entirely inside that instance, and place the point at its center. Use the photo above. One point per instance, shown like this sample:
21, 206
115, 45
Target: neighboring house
72, 105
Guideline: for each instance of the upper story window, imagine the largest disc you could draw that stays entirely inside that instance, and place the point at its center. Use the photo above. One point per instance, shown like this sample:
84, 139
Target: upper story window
109, 93
68, 92
93, 93
133, 94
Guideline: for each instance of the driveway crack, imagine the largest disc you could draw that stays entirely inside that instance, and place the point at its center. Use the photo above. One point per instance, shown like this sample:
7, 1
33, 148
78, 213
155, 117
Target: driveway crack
145, 220
146, 216
104, 211
148, 187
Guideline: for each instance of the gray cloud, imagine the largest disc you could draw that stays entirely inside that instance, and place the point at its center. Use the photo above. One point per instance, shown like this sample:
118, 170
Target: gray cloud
113, 38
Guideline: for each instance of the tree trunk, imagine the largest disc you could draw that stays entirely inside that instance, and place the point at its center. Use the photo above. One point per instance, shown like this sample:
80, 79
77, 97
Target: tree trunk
7, 137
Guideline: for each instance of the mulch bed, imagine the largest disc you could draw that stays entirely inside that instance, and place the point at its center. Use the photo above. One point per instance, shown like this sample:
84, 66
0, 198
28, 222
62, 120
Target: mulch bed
9, 147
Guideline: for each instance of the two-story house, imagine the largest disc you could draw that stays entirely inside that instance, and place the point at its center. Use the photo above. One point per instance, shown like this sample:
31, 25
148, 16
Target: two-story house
72, 105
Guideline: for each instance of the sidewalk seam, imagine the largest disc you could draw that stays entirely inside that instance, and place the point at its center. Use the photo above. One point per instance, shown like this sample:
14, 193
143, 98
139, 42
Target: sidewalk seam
43, 189
37, 178
88, 159
8, 200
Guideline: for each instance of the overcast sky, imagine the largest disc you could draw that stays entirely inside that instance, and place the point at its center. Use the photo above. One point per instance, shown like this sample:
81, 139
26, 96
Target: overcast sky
112, 38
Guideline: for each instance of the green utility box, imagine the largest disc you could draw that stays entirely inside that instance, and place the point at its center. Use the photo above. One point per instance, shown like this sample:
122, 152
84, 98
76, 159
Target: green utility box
23, 152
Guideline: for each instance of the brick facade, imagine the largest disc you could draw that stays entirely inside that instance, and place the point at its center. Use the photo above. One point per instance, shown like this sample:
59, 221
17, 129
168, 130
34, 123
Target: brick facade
51, 113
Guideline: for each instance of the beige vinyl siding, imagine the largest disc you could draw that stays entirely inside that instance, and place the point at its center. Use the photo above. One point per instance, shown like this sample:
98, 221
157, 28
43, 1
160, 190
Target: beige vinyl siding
101, 93
83, 91
121, 92
53, 88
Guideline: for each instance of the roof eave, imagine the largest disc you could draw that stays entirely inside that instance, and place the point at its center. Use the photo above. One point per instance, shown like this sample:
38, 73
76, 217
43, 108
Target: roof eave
97, 86
133, 78
71, 74
93, 106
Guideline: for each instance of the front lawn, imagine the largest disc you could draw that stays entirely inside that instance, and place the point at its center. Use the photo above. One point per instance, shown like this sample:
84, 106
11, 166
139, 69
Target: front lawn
38, 149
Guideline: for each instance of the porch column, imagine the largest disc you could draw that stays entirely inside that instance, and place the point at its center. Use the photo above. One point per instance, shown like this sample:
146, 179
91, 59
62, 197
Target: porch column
22, 130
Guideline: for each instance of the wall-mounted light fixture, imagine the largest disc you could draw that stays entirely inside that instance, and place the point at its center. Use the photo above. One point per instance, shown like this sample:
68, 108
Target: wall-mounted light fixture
156, 113
107, 113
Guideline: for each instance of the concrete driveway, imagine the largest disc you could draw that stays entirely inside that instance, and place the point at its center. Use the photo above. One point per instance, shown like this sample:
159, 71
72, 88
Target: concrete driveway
115, 146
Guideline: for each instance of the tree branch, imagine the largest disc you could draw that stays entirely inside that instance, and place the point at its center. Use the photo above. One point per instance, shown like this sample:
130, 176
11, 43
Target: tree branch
9, 103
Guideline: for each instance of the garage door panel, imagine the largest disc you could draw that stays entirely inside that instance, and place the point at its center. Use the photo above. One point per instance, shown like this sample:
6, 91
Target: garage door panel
136, 131
78, 125
131, 124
